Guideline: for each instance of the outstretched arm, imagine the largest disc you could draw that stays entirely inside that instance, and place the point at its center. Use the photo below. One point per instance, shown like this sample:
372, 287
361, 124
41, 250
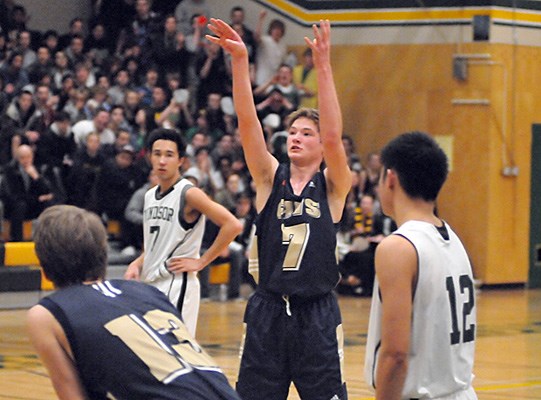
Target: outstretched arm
330, 120
261, 163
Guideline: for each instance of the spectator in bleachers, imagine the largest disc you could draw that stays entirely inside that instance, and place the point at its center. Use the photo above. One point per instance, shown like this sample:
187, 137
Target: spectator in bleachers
116, 182
132, 104
61, 69
24, 47
75, 50
170, 52
354, 161
76, 28
50, 40
56, 146
366, 229
150, 82
4, 100
96, 45
131, 64
199, 139
117, 120
176, 114
271, 49
160, 101
215, 117
304, 76
370, 174
26, 192
115, 15
15, 123
84, 76
98, 125
185, 11
213, 74
282, 80
144, 25
123, 139
13, 75
42, 66
76, 103
237, 16
117, 92
275, 103
227, 196
4, 47
87, 164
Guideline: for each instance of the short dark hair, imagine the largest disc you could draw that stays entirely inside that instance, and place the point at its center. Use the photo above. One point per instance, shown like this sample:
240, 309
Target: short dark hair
167, 134
71, 244
419, 162
61, 116
277, 24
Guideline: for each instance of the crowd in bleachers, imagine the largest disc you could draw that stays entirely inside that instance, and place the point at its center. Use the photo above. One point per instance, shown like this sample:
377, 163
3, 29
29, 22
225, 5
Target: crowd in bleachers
76, 107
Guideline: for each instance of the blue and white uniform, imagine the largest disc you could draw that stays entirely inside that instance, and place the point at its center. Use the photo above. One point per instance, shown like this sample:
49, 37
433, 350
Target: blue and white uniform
134, 326
167, 235
443, 325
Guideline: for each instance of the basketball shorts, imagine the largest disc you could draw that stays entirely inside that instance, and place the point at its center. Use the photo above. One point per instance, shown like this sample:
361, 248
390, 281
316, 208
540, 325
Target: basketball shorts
292, 340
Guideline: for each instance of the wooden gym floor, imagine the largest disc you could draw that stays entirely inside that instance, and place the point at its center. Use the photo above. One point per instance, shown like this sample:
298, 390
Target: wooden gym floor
508, 359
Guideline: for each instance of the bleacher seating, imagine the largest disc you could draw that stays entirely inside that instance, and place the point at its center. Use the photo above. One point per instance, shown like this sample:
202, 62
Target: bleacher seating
19, 268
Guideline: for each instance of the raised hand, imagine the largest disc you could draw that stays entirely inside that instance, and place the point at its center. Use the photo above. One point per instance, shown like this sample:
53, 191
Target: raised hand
227, 38
321, 43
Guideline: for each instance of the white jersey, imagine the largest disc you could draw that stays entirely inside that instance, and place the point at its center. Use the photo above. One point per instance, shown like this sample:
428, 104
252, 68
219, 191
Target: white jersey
167, 235
442, 342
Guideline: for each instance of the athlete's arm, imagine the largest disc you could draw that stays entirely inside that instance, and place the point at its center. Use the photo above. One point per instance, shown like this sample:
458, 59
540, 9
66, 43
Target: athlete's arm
229, 226
133, 272
51, 344
261, 163
396, 270
337, 173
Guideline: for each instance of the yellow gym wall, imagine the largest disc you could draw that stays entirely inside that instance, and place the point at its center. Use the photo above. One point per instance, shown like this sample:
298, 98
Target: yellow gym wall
389, 89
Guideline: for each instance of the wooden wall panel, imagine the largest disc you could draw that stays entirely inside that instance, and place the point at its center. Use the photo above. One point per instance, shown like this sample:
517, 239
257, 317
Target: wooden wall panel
387, 90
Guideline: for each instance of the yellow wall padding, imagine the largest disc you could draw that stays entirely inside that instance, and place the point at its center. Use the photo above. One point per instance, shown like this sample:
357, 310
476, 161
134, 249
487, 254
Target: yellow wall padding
219, 273
20, 253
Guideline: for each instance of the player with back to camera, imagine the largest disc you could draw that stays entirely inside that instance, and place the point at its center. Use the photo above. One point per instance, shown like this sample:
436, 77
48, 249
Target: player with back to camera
421, 332
174, 223
293, 322
100, 338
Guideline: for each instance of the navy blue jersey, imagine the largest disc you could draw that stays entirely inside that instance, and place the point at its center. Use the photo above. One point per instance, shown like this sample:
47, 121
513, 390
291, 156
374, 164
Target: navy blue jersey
296, 239
128, 340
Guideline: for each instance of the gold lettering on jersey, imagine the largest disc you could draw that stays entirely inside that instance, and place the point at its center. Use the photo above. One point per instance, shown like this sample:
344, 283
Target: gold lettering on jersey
289, 208
159, 212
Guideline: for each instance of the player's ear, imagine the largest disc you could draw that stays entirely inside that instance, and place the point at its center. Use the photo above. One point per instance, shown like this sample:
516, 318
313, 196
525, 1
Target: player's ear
391, 179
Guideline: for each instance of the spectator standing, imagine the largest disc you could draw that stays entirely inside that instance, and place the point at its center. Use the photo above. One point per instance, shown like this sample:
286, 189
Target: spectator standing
271, 48
170, 52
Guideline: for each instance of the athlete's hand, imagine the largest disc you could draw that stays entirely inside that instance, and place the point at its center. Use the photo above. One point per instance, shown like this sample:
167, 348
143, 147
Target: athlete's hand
321, 43
227, 38
132, 272
176, 265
